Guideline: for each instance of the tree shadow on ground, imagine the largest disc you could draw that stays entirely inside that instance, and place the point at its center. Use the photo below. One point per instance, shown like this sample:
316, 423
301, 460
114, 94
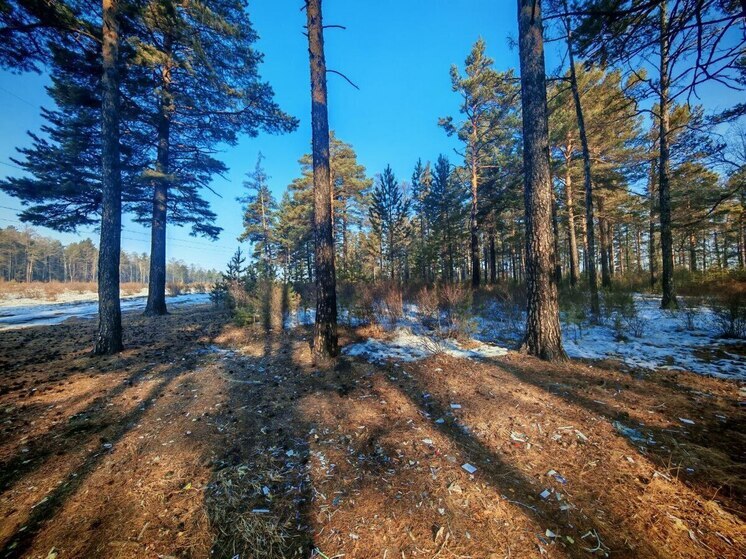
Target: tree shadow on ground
19, 542
714, 446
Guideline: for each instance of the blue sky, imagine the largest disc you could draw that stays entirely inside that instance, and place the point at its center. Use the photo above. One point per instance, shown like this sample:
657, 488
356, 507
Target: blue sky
397, 52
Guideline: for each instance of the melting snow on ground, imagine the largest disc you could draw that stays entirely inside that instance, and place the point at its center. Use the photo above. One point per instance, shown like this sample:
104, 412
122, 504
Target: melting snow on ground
54, 313
665, 343
409, 340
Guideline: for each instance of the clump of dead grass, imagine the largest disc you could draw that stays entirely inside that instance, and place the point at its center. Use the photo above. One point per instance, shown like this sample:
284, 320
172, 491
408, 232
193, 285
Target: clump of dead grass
253, 508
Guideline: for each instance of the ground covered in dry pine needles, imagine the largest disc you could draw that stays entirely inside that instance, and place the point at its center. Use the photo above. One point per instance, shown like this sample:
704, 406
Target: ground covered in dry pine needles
206, 440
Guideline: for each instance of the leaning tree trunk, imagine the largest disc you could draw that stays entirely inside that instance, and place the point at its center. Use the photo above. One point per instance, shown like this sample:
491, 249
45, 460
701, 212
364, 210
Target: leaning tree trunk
668, 300
325, 329
589, 225
109, 339
543, 336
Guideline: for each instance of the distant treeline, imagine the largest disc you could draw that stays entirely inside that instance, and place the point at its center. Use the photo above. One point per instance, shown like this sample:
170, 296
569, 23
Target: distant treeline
27, 256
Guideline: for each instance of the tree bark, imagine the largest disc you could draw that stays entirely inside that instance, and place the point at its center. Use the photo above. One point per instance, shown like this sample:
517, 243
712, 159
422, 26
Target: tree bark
668, 300
325, 328
109, 338
543, 336
587, 177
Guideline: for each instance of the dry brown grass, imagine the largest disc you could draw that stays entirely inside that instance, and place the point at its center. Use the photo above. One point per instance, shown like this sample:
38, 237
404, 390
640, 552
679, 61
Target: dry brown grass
53, 290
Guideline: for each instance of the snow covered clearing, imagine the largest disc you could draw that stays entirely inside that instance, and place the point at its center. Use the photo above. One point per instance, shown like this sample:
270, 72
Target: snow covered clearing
54, 313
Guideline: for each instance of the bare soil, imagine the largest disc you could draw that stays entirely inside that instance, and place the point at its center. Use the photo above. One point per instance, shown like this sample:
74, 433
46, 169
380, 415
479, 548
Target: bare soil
204, 440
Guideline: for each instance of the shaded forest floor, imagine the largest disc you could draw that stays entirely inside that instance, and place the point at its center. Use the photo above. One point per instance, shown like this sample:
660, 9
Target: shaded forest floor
206, 440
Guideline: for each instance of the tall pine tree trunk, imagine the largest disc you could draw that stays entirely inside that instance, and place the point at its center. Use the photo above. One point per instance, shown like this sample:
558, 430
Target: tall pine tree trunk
543, 336
570, 203
668, 301
109, 338
156, 304
587, 177
325, 328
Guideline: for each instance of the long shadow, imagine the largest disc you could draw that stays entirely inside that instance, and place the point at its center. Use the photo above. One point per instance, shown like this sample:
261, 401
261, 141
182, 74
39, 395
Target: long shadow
22, 539
503, 476
726, 437
270, 450
80, 428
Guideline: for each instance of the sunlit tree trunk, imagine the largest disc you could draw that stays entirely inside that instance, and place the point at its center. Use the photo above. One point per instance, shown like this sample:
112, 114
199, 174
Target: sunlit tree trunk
543, 337
109, 338
569, 202
325, 329
587, 177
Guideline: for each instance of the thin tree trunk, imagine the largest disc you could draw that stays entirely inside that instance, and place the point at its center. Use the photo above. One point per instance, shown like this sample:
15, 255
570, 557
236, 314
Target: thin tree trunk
652, 250
109, 338
493, 263
325, 329
555, 235
570, 203
603, 234
474, 226
590, 236
543, 336
668, 300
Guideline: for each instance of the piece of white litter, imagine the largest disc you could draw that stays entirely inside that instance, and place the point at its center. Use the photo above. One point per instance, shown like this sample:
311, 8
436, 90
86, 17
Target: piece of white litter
550, 534
427, 441
440, 420
545, 494
469, 468
687, 421
455, 406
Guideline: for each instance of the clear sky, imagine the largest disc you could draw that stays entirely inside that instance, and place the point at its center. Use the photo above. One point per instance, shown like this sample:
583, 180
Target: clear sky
397, 51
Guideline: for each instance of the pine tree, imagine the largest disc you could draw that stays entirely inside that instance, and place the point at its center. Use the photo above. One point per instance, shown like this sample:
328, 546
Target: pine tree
388, 213
489, 105
446, 212
325, 328
207, 90
259, 219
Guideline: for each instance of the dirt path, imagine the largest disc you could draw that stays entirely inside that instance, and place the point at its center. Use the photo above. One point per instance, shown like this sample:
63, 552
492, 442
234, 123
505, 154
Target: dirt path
204, 437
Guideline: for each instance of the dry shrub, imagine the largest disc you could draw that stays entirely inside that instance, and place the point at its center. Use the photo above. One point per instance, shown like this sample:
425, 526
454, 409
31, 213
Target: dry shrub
428, 304
389, 302
455, 303
730, 314
174, 288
